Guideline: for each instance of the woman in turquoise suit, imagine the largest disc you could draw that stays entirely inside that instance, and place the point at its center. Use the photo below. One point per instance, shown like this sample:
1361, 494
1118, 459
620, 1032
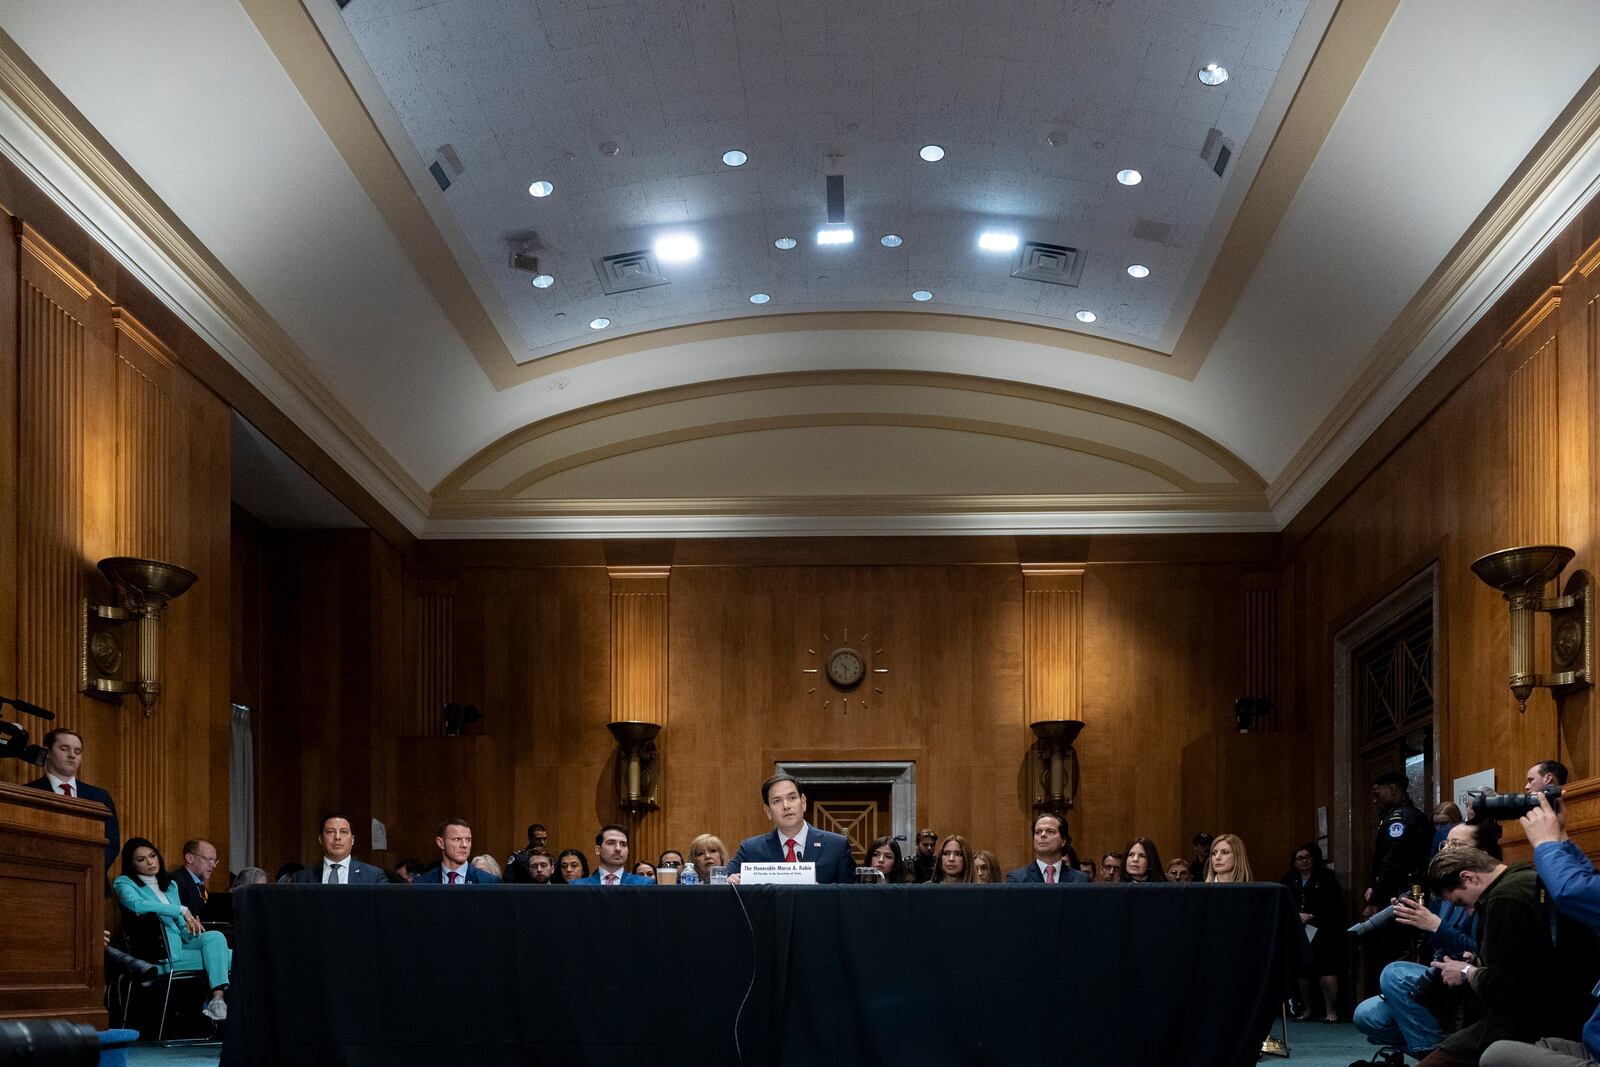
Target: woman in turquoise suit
145, 888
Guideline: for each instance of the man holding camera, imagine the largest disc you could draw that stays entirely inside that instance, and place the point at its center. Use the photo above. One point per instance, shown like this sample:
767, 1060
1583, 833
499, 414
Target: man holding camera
1574, 885
1528, 966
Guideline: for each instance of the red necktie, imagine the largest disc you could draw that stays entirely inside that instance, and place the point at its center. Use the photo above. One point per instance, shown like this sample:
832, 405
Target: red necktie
611, 879
1050, 873
452, 877
66, 787
790, 857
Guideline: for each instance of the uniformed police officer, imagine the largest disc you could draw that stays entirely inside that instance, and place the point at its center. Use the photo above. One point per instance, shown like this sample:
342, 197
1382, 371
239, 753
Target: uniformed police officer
1400, 853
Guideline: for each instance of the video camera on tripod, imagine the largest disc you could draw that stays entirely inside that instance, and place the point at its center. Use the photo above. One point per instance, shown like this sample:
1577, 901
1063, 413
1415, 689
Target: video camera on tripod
14, 736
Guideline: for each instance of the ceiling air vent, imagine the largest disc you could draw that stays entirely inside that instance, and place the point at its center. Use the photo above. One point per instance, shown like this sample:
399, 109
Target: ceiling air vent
627, 271
1056, 264
1217, 151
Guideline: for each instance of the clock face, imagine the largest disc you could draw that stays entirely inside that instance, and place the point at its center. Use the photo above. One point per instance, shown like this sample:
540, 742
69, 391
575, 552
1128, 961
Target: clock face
846, 668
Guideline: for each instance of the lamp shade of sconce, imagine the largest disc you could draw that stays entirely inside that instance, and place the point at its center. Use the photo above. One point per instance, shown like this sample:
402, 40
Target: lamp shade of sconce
638, 765
143, 587
1520, 574
1053, 762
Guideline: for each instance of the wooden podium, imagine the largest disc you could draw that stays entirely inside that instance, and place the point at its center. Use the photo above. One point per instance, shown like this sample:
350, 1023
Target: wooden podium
52, 880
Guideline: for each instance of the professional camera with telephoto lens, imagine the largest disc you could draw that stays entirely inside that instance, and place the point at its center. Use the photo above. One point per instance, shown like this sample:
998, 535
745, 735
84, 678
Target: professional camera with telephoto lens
1383, 918
1489, 806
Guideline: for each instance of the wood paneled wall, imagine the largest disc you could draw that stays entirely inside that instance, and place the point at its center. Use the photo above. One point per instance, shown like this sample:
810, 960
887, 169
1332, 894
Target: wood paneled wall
1494, 449
111, 448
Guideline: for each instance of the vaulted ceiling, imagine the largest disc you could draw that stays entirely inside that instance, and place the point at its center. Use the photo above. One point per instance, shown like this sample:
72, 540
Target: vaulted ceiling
332, 196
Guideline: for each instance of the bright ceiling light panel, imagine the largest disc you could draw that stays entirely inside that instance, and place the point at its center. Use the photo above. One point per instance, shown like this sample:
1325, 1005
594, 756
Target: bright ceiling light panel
835, 235
735, 158
599, 324
677, 247
932, 153
785, 243
543, 281
921, 295
541, 189
759, 298
1087, 316
1212, 74
1129, 177
995, 241
1138, 270
891, 240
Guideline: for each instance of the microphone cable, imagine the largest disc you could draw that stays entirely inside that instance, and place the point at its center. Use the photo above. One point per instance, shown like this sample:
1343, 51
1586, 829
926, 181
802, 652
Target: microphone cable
738, 1050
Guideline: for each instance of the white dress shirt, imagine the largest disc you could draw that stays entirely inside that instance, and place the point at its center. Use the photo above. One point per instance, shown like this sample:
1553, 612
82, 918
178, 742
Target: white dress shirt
445, 869
1060, 866
55, 784
344, 872
799, 842
602, 872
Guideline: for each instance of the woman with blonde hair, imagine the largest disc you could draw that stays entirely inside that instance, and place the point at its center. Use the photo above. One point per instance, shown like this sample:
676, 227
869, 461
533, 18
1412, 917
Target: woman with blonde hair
705, 852
953, 861
487, 863
1229, 863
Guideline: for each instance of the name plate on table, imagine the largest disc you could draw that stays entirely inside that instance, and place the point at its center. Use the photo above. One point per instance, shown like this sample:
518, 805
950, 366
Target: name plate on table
778, 874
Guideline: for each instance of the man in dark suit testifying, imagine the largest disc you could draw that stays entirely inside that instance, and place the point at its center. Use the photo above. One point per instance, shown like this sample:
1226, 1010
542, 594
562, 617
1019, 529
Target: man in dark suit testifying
793, 840
1049, 864
338, 866
63, 754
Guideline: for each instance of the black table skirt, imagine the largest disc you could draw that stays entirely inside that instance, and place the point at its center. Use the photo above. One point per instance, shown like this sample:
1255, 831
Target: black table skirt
961, 975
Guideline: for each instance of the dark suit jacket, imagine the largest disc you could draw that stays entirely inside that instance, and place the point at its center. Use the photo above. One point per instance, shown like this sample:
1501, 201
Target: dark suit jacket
627, 879
188, 891
356, 873
1031, 873
474, 877
830, 852
94, 792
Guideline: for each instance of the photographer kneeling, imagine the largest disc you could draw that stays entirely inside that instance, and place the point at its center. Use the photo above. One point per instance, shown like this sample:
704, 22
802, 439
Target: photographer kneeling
1405, 1017
1574, 885
1528, 964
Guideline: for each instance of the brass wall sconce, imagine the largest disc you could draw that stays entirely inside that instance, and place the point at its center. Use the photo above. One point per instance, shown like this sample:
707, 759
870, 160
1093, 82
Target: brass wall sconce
638, 765
143, 588
1521, 575
1053, 764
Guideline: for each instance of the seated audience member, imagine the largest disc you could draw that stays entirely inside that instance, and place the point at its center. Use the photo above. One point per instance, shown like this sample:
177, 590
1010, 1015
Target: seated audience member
1546, 774
705, 852
924, 862
670, 858
884, 855
145, 888
516, 863
611, 859
1111, 867
1445, 816
1049, 854
571, 866
454, 841
1531, 975
541, 869
1320, 902
408, 869
248, 877
63, 754
1088, 867
986, 869
199, 860
955, 861
1574, 885
1199, 856
338, 866
1141, 864
645, 869
489, 865
1178, 871
1395, 1019
792, 839
1228, 860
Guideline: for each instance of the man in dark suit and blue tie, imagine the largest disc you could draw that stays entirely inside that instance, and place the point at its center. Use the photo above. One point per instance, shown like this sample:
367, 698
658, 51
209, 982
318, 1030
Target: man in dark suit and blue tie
63, 755
1049, 864
793, 840
455, 850
611, 860
338, 866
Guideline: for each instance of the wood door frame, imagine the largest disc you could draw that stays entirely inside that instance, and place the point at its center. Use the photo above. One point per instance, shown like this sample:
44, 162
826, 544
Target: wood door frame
900, 775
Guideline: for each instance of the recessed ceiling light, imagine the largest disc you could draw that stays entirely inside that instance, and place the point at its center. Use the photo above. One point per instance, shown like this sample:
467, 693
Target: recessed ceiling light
1087, 316
759, 298
891, 240
995, 241
932, 153
1129, 177
921, 295
677, 247
1212, 74
541, 189
835, 235
785, 243
543, 281
735, 158
1138, 270
599, 324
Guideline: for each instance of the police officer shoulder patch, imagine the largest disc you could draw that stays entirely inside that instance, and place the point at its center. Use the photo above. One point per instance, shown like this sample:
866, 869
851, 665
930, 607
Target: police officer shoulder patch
1396, 829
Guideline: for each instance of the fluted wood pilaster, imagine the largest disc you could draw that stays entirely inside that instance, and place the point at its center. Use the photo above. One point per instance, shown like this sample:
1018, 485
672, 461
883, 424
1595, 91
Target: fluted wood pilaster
1052, 613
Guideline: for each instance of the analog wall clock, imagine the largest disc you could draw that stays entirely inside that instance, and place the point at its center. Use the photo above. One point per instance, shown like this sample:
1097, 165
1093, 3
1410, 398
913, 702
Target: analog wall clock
851, 669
